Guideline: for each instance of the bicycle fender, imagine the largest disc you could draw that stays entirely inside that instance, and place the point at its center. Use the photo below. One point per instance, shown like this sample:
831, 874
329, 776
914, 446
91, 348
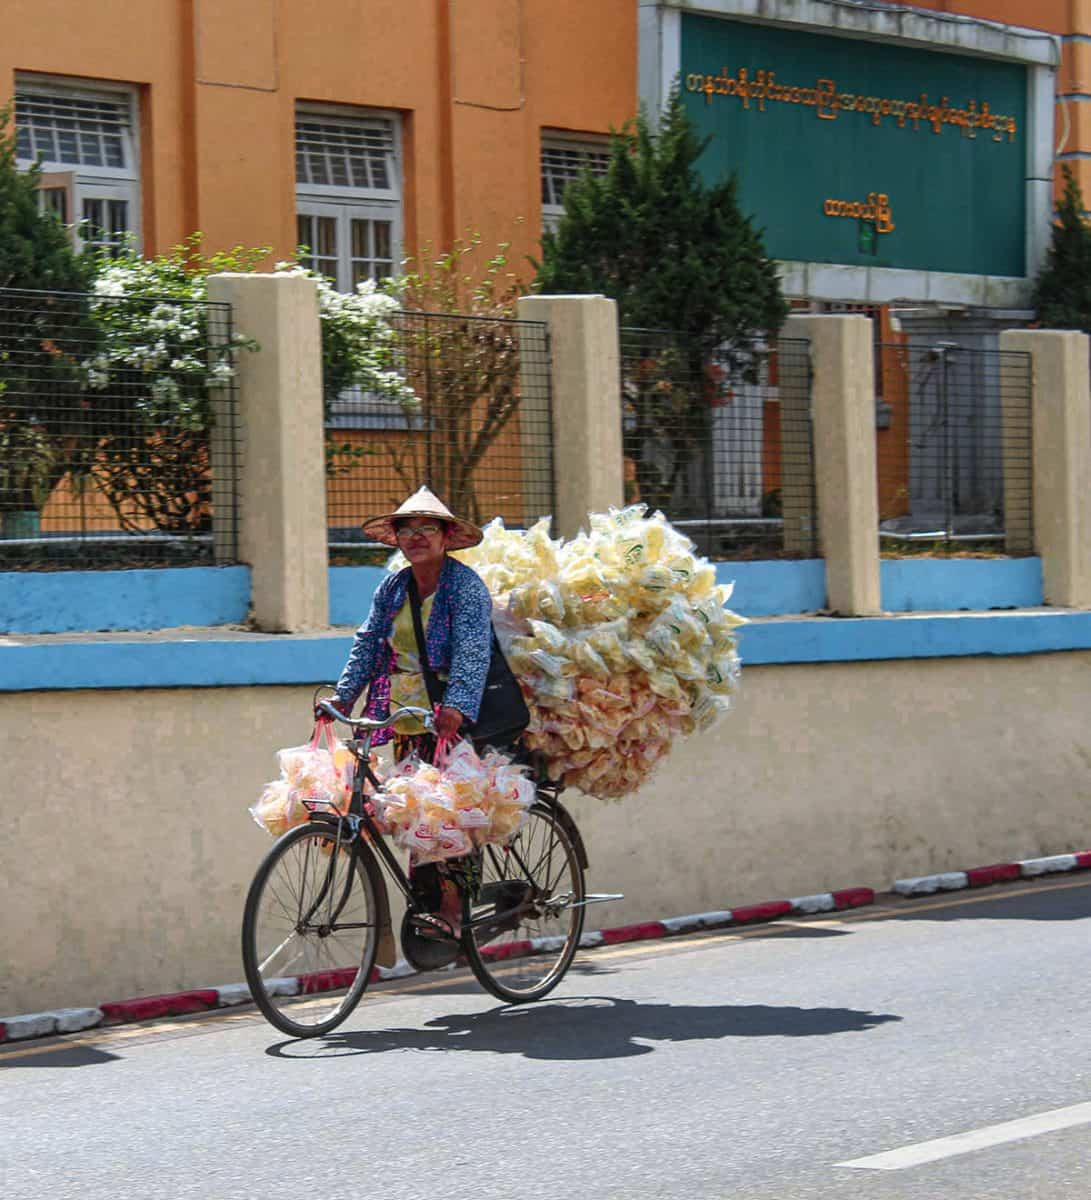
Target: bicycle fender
571, 829
387, 953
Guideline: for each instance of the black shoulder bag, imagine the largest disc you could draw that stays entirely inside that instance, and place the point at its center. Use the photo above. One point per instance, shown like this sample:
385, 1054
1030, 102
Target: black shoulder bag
503, 714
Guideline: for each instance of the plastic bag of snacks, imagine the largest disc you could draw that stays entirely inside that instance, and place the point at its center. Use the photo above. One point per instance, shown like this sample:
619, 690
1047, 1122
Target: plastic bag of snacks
313, 775
621, 638
444, 811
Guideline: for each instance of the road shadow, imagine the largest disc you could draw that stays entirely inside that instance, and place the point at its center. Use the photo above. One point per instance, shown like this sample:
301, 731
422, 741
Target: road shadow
59, 1056
1053, 903
587, 1027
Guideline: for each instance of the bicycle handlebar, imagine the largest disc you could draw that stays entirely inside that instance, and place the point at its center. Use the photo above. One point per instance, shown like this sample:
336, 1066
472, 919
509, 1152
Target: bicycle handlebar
426, 717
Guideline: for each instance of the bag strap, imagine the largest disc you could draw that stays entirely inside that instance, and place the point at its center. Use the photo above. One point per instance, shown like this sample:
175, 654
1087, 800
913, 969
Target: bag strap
431, 681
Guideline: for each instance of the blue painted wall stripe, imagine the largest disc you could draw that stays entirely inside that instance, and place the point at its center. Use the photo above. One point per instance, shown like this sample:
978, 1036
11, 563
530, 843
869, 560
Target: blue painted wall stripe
76, 601
762, 589
351, 589
951, 584
770, 588
256, 660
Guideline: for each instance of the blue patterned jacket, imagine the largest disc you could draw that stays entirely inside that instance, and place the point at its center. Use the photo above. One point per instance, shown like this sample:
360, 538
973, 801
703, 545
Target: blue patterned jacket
458, 638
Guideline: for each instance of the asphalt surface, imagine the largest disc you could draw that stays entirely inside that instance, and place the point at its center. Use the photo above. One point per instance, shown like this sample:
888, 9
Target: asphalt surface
752, 1064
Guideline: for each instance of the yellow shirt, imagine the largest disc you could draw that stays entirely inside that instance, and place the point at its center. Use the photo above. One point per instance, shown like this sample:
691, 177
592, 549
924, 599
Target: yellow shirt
407, 681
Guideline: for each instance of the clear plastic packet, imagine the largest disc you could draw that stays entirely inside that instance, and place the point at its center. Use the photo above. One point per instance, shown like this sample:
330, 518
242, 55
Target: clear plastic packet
547, 636
277, 810
453, 841
549, 602
587, 659
722, 675
638, 653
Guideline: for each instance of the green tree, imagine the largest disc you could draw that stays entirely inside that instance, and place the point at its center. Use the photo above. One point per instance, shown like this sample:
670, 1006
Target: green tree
35, 251
1062, 295
40, 337
676, 254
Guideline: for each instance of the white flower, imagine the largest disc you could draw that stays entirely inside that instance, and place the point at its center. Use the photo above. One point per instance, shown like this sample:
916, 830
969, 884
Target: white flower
108, 285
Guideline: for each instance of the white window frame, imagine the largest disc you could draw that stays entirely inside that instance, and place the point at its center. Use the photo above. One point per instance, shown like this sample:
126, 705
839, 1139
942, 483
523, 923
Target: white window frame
345, 203
81, 181
586, 145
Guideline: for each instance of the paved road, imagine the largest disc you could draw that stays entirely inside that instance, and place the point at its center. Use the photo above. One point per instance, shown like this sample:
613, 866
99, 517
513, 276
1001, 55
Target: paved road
751, 1066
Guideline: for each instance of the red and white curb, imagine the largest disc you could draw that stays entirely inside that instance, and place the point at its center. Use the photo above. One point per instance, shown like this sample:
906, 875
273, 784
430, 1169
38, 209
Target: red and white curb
1028, 868
149, 1008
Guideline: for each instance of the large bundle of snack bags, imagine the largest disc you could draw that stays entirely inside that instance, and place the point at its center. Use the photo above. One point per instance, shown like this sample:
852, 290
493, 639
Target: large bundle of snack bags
622, 641
620, 637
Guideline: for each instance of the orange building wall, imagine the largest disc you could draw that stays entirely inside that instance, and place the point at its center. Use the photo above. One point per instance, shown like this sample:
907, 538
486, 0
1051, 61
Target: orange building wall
1066, 19
474, 83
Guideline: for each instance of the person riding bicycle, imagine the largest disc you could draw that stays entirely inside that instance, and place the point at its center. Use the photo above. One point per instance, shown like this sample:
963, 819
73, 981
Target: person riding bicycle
456, 612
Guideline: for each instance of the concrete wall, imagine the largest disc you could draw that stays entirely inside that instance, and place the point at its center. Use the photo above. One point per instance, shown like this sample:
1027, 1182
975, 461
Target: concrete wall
128, 846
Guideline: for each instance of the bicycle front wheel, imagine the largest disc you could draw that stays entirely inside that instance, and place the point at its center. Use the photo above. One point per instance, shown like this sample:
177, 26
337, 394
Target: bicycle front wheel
523, 930
309, 931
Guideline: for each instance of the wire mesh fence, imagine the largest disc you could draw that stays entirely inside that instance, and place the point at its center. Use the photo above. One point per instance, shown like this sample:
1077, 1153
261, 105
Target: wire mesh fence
954, 450
720, 441
480, 433
118, 432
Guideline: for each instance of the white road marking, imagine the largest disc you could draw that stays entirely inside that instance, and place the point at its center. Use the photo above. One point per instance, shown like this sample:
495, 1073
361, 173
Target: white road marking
975, 1139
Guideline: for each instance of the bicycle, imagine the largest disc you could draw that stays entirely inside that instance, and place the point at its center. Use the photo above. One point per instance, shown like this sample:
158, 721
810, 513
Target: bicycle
317, 913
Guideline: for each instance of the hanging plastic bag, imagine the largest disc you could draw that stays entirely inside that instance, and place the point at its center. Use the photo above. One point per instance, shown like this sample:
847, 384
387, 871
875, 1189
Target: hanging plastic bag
311, 776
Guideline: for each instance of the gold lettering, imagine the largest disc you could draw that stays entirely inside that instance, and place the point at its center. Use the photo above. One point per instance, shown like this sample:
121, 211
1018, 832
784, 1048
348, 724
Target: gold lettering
761, 85
875, 211
827, 102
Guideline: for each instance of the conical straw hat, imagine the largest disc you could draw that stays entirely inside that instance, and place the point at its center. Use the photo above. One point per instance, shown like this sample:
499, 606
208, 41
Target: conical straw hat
423, 504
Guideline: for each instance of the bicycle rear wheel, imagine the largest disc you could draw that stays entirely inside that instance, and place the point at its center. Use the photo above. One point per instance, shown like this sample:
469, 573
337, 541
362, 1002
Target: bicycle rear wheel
309, 931
535, 888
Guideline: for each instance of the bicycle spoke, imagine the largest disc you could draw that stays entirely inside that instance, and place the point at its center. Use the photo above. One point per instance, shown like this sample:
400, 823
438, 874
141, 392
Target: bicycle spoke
527, 959
311, 915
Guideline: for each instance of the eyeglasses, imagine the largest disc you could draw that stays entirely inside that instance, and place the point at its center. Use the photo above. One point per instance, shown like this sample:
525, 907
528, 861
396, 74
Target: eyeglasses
405, 532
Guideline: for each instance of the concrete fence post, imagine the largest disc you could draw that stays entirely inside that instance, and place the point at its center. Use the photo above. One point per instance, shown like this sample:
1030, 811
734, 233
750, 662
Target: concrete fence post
1061, 459
846, 484
586, 374
282, 477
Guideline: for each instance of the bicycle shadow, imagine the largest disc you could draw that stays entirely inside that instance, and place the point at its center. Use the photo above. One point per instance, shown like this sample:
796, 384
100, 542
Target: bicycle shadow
588, 1027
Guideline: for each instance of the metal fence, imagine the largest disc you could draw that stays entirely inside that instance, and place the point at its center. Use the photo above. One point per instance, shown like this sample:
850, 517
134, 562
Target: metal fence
954, 449
721, 442
480, 433
114, 450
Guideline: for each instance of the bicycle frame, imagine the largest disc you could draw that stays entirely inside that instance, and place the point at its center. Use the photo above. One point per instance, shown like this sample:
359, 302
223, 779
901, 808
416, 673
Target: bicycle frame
358, 821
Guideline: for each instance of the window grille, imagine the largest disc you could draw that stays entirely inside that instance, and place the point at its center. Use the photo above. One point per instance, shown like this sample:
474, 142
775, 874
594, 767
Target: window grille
561, 163
77, 129
86, 142
357, 154
348, 195
564, 161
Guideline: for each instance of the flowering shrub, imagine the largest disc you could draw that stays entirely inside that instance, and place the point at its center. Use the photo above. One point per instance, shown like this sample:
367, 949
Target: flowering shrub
157, 360
359, 345
153, 315
153, 318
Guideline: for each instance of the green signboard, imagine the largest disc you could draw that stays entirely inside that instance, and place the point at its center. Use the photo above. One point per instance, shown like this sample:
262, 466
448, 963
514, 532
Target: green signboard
862, 152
